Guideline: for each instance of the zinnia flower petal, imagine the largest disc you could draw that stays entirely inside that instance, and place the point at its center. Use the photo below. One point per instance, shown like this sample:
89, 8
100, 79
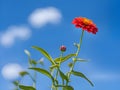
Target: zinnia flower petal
85, 24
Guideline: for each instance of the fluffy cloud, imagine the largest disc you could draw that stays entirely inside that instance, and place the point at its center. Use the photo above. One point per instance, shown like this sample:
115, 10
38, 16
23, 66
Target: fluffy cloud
11, 71
42, 16
8, 38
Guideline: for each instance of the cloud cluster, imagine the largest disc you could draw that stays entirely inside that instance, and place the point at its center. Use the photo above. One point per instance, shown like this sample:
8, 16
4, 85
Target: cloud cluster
11, 71
37, 19
13, 33
42, 16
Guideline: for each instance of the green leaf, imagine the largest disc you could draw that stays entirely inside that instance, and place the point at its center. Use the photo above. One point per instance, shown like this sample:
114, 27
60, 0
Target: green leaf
63, 76
80, 60
23, 73
82, 76
54, 87
16, 83
57, 60
33, 62
26, 87
43, 71
45, 53
68, 88
65, 87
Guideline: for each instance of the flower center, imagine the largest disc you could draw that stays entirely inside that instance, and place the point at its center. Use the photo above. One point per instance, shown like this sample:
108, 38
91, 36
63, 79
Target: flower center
87, 21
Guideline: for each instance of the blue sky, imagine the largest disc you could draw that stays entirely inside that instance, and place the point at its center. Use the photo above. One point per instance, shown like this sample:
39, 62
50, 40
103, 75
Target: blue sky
24, 23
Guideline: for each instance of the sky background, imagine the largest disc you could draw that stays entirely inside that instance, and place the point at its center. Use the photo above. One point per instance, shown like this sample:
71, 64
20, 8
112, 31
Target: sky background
47, 23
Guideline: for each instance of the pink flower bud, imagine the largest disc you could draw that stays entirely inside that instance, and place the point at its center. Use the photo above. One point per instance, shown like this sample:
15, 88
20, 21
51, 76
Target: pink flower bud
63, 48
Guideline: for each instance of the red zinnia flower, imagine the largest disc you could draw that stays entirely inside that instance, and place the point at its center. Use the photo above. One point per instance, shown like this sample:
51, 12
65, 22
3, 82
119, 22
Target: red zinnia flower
85, 24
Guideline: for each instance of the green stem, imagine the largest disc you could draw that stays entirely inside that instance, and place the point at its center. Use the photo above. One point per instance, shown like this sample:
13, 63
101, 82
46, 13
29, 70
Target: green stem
35, 76
59, 66
53, 87
61, 55
77, 53
17, 87
80, 43
56, 88
56, 74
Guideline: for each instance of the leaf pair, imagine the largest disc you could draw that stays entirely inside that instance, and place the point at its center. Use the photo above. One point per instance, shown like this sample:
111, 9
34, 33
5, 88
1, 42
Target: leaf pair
57, 60
63, 59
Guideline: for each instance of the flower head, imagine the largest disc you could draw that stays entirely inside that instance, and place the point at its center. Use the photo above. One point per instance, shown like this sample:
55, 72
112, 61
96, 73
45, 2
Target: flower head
85, 24
63, 48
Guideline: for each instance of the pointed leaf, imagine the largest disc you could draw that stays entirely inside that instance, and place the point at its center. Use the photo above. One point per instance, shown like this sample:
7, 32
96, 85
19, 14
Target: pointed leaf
16, 83
57, 60
80, 60
43, 71
26, 87
82, 76
63, 76
65, 87
68, 88
33, 62
45, 53
23, 73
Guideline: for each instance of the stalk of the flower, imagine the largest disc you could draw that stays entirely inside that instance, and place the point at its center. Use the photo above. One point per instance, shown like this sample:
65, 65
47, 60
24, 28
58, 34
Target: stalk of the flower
52, 87
61, 58
77, 53
80, 43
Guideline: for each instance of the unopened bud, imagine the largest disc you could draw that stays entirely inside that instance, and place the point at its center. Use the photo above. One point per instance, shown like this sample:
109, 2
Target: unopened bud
70, 64
63, 48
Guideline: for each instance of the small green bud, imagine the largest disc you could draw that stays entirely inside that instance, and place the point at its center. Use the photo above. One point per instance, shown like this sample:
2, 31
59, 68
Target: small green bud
70, 64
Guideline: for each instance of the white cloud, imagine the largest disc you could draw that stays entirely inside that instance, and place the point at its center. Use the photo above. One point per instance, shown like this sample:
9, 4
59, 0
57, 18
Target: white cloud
11, 71
42, 16
8, 38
